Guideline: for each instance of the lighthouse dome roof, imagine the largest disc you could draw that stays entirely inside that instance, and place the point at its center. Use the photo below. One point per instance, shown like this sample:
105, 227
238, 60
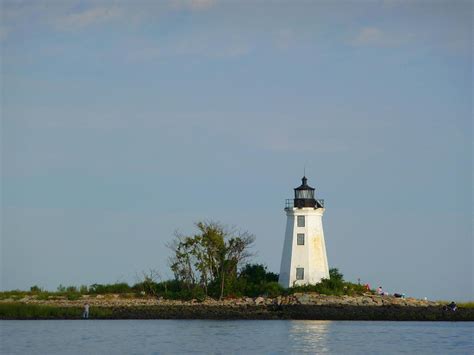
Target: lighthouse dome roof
304, 185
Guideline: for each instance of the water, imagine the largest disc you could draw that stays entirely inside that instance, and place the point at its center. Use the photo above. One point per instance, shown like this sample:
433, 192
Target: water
223, 337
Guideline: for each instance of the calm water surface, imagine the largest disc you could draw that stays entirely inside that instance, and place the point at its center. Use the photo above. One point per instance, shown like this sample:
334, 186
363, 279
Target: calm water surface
223, 337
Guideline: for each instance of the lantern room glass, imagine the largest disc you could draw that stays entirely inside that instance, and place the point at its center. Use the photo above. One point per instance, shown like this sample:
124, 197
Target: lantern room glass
304, 194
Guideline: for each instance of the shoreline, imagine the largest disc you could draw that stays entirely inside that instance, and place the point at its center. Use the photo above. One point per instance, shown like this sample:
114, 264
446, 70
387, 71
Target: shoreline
288, 312
305, 306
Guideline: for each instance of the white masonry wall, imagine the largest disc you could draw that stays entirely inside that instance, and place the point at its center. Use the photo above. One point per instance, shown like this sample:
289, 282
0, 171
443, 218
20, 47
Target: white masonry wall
311, 256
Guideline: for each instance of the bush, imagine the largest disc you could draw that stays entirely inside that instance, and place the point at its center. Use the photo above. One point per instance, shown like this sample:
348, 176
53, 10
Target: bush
254, 280
189, 294
335, 275
15, 294
42, 296
171, 289
35, 289
257, 274
273, 289
73, 296
335, 286
121, 287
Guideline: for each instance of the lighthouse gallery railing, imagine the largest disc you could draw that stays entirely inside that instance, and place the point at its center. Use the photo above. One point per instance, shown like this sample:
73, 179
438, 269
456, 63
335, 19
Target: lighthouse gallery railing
289, 203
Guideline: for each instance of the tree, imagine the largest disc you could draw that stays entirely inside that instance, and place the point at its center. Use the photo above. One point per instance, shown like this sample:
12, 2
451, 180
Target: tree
256, 280
147, 282
210, 256
335, 275
35, 289
257, 274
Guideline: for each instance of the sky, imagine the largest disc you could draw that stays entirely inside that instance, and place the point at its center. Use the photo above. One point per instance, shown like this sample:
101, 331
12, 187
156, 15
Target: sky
125, 121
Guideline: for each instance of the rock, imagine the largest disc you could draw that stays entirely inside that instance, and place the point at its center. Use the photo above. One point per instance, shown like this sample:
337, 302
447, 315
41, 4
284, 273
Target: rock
259, 300
304, 298
277, 301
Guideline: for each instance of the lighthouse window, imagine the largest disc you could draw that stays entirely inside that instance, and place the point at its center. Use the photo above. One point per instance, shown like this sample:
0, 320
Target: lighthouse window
300, 273
300, 239
300, 221
305, 194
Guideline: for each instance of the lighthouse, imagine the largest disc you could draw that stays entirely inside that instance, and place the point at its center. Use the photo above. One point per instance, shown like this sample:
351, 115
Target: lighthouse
304, 260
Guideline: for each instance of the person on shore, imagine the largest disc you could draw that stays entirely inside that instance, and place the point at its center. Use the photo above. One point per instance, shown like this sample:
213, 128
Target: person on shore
452, 306
380, 291
85, 314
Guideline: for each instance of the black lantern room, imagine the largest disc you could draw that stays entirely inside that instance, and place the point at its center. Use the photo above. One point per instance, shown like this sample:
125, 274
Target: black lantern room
304, 195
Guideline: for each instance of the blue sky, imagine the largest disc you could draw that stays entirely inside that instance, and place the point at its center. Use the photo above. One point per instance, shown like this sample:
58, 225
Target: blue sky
123, 121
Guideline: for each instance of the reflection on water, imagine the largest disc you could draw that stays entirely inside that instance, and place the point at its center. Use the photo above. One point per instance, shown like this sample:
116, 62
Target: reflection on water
231, 337
309, 335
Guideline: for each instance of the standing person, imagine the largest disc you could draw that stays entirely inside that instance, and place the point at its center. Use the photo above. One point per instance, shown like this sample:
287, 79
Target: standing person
380, 291
85, 314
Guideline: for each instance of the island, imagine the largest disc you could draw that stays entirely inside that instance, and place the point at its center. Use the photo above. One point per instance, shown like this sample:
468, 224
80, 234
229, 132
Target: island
308, 306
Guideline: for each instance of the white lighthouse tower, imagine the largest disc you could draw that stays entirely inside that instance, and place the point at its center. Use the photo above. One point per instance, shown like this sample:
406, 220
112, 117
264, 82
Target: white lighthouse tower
304, 260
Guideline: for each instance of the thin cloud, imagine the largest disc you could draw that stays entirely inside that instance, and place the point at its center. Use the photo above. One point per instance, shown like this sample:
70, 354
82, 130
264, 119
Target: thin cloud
68, 15
194, 45
88, 17
196, 5
373, 36
367, 36
215, 47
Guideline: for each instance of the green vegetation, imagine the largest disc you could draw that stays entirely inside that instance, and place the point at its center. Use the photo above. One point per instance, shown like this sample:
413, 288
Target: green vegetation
209, 263
252, 280
212, 263
335, 286
35, 289
209, 260
33, 311
98, 289
28, 311
21, 311
255, 280
459, 304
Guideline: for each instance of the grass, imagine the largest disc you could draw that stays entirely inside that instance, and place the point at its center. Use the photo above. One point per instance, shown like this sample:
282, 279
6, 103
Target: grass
17, 295
469, 304
30, 311
14, 295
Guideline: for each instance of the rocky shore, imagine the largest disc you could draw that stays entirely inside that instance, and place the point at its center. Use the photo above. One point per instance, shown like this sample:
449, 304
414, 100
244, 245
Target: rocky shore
297, 306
